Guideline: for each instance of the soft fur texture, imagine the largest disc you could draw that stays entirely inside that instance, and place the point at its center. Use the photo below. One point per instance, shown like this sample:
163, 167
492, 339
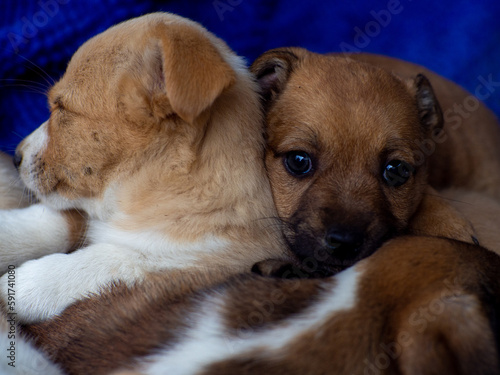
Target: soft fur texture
358, 119
20, 357
413, 306
156, 135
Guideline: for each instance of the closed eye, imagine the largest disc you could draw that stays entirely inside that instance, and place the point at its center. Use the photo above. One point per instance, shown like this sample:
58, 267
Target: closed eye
57, 104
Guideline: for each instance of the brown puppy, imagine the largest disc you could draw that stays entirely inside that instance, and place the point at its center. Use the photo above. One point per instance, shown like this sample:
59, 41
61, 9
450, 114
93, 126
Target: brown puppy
344, 156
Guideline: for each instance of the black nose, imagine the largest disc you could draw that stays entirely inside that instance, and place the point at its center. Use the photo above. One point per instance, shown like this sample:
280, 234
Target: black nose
18, 159
344, 243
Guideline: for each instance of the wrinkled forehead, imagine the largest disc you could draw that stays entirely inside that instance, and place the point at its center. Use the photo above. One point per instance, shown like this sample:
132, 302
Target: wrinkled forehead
332, 87
91, 76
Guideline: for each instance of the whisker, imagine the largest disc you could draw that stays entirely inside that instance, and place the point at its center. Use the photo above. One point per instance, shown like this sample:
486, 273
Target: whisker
24, 81
17, 135
447, 199
27, 88
50, 81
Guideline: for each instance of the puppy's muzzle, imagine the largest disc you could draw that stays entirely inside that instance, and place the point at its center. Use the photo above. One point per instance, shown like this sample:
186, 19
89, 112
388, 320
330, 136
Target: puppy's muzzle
344, 243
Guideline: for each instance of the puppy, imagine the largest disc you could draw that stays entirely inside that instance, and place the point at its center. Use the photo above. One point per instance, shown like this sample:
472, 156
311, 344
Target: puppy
249, 315
156, 134
419, 305
344, 158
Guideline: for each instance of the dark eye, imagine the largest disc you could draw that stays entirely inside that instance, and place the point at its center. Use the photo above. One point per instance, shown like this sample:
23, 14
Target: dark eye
298, 163
397, 172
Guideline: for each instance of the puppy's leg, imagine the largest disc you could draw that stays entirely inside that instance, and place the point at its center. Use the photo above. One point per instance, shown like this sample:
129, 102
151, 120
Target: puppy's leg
35, 231
44, 287
435, 216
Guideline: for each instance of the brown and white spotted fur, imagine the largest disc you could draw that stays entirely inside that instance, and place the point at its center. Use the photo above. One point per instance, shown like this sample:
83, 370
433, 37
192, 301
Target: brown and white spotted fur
419, 305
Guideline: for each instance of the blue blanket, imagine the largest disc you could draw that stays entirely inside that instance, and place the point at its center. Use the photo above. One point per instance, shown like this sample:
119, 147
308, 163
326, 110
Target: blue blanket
457, 38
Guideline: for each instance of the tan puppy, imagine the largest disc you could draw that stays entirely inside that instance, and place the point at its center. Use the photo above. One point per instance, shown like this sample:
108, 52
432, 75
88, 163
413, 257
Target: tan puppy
419, 305
156, 134
344, 156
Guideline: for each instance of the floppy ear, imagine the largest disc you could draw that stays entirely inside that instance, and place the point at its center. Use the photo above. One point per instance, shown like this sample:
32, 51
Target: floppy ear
272, 70
429, 110
194, 72
179, 72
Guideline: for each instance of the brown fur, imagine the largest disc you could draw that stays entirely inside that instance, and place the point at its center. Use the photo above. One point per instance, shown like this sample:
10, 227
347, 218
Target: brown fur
87, 328
422, 304
351, 118
431, 316
482, 211
466, 155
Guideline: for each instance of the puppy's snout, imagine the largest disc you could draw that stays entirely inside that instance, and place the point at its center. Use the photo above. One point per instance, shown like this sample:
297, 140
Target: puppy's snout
344, 243
18, 159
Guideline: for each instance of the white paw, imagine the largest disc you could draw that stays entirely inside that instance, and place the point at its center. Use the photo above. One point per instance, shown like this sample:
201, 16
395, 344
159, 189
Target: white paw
31, 233
43, 288
36, 291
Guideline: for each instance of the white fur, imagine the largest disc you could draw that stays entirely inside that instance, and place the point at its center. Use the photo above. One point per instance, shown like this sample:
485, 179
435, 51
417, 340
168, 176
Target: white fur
34, 144
46, 286
206, 342
154, 251
26, 359
12, 189
29, 360
48, 233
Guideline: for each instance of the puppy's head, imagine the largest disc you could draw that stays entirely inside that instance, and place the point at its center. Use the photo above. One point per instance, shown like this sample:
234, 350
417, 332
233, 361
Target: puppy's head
343, 156
139, 92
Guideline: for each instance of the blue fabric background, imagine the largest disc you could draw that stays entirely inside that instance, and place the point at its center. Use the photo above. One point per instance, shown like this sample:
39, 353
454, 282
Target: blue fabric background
458, 39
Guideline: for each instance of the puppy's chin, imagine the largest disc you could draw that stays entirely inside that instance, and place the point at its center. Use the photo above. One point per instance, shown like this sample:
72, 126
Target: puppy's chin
317, 259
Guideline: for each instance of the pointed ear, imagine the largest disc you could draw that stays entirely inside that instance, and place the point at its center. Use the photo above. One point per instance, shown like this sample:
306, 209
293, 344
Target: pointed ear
272, 70
429, 110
